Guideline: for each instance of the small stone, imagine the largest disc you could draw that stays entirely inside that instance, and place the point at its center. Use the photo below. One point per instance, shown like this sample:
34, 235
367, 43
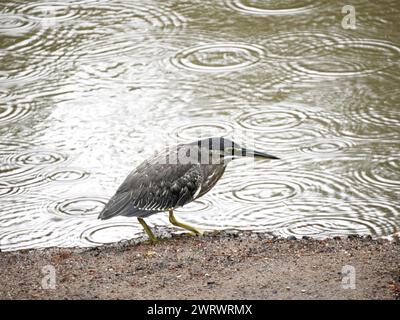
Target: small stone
254, 236
232, 233
352, 236
288, 288
303, 291
291, 238
151, 253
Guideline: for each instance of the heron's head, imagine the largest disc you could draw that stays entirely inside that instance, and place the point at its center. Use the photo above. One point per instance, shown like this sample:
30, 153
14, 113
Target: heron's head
228, 150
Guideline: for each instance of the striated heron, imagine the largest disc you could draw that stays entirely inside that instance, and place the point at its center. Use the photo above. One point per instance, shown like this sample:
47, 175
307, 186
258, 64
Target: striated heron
174, 177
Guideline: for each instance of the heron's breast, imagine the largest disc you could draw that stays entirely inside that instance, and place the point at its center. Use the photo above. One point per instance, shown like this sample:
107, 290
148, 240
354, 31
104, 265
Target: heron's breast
211, 175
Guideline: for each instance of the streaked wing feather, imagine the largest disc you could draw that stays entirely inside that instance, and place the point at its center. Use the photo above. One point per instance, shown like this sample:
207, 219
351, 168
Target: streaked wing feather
117, 205
154, 188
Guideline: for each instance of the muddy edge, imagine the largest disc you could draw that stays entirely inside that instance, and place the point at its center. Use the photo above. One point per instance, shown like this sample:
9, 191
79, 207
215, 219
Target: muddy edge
220, 265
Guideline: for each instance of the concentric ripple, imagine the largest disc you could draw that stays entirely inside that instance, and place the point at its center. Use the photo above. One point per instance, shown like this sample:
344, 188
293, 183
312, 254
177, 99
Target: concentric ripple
349, 58
218, 57
18, 67
39, 158
321, 218
200, 129
384, 175
271, 191
78, 207
199, 205
11, 170
66, 175
19, 179
13, 24
123, 28
45, 235
275, 189
378, 108
271, 119
302, 44
23, 169
290, 139
336, 226
8, 146
257, 7
374, 218
49, 11
266, 192
109, 233
10, 113
326, 146
139, 16
6, 189
21, 239
21, 209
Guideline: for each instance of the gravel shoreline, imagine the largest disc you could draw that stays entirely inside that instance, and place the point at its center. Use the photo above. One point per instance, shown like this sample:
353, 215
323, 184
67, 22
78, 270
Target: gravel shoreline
221, 265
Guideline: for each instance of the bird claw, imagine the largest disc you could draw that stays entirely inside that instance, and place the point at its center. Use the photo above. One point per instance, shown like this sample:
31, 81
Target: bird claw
198, 232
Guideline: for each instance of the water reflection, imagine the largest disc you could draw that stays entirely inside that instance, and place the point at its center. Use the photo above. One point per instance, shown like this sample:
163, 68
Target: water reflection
89, 88
219, 57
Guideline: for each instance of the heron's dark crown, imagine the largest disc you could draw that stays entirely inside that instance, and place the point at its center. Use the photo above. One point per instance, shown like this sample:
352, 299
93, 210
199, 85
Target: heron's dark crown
216, 143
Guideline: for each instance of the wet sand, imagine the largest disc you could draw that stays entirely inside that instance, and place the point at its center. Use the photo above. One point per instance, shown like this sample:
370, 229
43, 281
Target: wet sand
223, 265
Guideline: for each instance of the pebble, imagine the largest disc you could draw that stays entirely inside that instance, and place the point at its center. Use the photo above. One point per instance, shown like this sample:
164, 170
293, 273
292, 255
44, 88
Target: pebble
254, 236
291, 238
352, 236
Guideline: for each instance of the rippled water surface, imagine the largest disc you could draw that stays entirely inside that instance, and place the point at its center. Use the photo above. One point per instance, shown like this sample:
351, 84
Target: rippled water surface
89, 88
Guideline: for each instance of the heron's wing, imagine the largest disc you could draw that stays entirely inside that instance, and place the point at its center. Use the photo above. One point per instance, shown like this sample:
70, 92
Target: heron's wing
154, 188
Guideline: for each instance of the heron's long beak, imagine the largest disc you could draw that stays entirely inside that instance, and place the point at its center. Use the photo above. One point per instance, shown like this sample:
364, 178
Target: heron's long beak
257, 154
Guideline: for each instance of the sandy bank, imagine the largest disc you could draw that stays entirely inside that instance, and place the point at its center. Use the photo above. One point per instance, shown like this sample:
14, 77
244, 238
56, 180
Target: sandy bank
217, 266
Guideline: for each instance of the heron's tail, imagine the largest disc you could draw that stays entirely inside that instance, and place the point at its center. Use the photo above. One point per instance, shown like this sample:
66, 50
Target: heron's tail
121, 204
117, 206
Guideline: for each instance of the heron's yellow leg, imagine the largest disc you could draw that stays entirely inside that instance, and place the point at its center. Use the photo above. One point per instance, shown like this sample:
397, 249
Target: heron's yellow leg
148, 230
183, 225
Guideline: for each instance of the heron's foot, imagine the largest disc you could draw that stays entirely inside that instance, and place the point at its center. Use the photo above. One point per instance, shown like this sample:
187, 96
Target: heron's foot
193, 230
150, 233
195, 234
198, 232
